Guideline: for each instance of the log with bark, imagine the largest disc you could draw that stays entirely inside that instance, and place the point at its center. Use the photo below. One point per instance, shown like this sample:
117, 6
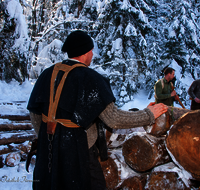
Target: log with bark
5, 149
16, 137
164, 122
142, 152
183, 142
134, 183
164, 181
167, 176
15, 126
15, 117
110, 171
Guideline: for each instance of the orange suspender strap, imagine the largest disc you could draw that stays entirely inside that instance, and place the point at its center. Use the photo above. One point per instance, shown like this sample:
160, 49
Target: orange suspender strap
53, 102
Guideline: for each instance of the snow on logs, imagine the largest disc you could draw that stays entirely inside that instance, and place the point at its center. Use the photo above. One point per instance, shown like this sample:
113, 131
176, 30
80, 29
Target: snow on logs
16, 132
177, 141
166, 177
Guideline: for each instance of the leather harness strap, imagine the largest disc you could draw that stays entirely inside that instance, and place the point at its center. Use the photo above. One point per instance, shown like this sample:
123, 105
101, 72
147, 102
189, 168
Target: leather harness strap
53, 101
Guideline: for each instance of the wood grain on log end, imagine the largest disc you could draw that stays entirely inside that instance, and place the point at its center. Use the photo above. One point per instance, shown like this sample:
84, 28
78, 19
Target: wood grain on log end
161, 126
13, 159
183, 141
143, 152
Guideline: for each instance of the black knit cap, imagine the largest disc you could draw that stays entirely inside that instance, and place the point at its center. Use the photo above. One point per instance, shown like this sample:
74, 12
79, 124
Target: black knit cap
77, 43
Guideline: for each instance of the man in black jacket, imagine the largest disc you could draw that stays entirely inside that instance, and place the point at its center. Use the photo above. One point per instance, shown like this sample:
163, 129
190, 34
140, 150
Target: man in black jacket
67, 103
194, 92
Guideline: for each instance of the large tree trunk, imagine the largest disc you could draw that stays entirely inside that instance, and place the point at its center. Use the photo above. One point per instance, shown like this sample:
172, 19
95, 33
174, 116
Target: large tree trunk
183, 142
164, 122
143, 152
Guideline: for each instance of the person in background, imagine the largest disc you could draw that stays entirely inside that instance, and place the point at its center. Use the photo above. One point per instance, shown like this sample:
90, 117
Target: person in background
194, 92
163, 88
68, 106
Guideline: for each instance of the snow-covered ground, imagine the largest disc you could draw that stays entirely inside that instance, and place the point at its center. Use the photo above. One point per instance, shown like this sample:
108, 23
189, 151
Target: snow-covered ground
16, 178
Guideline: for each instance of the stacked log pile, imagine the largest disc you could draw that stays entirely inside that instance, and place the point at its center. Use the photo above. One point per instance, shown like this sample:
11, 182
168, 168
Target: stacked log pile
165, 155
16, 134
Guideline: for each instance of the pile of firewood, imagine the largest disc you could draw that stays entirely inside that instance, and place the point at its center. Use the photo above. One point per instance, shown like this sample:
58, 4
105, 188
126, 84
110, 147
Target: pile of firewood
16, 134
162, 156
165, 155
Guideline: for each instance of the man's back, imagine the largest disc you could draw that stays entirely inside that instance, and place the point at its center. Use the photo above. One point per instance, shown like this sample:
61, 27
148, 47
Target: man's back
163, 91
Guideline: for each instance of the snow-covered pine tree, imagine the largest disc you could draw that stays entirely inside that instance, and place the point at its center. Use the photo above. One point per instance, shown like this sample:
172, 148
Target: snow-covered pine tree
64, 17
158, 19
14, 42
122, 43
182, 42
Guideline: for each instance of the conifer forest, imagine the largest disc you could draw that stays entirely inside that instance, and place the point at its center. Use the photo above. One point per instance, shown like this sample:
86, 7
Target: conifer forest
135, 40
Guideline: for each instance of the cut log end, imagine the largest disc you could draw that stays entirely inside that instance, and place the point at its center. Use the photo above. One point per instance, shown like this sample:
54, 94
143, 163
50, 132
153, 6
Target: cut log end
183, 142
161, 126
142, 153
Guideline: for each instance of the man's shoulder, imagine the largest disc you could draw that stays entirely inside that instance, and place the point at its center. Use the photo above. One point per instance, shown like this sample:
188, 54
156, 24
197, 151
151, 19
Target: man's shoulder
197, 81
47, 70
159, 81
89, 72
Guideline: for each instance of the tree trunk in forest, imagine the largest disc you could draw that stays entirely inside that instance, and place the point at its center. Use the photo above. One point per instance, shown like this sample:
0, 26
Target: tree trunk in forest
163, 123
143, 152
183, 142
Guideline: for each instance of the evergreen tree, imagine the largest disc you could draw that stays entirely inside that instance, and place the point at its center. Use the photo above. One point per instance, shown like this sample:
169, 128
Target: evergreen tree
182, 41
14, 43
124, 28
